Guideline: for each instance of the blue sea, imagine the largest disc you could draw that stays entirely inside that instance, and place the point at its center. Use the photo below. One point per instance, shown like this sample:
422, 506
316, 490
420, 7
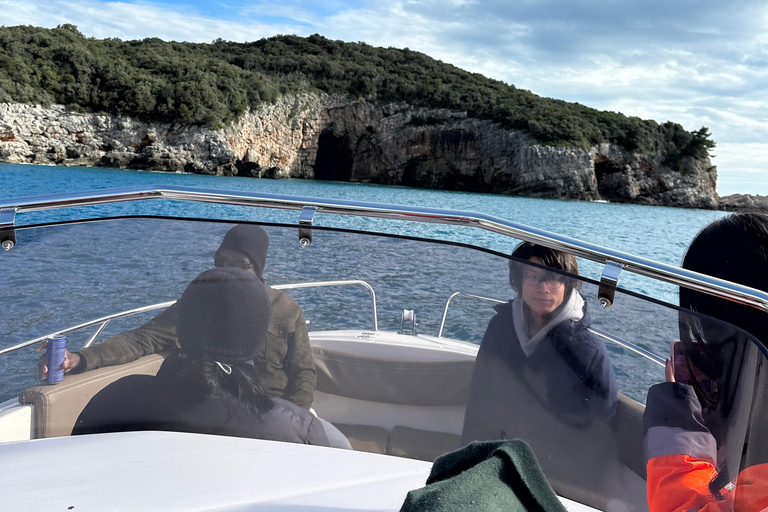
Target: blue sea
657, 233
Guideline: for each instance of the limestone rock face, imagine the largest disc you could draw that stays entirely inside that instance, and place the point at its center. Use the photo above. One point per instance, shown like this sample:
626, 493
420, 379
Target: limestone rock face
335, 138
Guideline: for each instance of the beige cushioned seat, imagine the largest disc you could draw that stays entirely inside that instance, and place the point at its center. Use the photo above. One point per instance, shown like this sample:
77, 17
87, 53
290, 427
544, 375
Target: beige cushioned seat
408, 387
393, 381
56, 407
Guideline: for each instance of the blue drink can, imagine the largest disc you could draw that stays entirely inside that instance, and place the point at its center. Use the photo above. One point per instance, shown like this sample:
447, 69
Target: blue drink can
55, 352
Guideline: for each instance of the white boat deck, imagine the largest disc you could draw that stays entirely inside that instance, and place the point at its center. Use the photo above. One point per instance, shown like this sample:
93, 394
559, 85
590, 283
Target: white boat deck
168, 471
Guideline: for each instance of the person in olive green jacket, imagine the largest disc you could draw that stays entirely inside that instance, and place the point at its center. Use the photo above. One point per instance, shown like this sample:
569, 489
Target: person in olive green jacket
286, 366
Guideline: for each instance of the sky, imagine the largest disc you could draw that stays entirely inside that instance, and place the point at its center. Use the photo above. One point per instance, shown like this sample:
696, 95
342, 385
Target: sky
697, 63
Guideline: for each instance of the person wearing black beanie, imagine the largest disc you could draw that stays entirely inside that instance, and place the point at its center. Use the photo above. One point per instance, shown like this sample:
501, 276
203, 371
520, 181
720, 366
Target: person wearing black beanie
244, 243
213, 387
286, 364
223, 316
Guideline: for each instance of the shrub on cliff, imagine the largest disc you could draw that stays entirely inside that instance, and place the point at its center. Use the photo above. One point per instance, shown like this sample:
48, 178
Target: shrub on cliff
214, 83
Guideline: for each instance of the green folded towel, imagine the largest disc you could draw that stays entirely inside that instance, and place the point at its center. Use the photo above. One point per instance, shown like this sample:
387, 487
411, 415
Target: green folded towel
488, 476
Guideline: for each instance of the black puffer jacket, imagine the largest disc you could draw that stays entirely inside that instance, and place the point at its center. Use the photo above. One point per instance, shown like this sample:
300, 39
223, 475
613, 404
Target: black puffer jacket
168, 402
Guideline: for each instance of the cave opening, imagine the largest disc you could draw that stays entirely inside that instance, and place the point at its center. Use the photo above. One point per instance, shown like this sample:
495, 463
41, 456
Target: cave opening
334, 157
605, 174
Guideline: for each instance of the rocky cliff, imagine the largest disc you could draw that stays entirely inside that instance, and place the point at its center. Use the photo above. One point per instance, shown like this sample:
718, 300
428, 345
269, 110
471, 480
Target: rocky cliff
335, 138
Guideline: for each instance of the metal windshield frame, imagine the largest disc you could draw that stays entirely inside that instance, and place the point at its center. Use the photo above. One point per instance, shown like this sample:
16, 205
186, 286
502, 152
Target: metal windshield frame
635, 264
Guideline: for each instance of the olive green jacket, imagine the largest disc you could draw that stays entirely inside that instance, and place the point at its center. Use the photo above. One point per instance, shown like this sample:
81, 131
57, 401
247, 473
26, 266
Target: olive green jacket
286, 367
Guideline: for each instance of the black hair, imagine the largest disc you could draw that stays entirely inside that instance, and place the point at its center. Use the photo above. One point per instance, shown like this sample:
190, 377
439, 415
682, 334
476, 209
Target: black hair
243, 385
733, 248
551, 258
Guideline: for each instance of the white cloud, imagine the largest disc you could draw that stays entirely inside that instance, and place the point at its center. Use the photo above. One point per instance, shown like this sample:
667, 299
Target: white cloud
134, 21
747, 170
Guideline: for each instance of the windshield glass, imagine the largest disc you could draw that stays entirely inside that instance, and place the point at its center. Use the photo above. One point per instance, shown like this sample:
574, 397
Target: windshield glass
397, 346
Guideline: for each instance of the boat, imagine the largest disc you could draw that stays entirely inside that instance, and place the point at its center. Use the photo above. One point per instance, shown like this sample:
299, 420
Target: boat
395, 323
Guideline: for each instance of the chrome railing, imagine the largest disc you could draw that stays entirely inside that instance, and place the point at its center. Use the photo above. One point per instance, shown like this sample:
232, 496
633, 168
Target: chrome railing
104, 321
629, 346
586, 250
609, 337
355, 282
448, 303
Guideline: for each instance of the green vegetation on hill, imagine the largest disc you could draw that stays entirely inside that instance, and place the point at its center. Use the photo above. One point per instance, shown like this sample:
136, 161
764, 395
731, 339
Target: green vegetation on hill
214, 83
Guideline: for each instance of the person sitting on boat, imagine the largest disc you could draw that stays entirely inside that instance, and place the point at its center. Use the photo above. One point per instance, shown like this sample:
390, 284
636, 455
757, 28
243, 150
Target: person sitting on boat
699, 434
213, 386
286, 366
542, 376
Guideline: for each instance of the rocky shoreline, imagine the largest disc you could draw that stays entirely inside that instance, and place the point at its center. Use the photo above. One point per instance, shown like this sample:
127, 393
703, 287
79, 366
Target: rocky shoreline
744, 203
336, 138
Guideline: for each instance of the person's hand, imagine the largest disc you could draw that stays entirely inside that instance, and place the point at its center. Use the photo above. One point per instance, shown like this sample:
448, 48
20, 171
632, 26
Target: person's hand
669, 371
71, 360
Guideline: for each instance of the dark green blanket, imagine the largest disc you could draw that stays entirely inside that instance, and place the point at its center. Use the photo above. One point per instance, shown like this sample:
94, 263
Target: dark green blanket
488, 476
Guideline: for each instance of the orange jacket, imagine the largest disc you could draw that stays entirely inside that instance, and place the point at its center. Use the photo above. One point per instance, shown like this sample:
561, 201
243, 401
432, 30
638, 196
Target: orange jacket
679, 483
681, 459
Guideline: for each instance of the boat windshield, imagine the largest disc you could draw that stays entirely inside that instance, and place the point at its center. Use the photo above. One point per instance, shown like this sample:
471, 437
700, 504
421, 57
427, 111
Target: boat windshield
408, 347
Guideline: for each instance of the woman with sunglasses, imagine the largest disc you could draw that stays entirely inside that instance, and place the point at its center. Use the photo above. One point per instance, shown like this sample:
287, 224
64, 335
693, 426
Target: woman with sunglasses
706, 427
542, 376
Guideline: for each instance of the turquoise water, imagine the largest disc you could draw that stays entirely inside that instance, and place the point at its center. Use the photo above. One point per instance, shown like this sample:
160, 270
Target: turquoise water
657, 233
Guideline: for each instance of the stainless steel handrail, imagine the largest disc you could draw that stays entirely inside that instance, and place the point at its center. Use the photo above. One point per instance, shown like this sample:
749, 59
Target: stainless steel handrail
103, 321
637, 265
448, 303
618, 341
353, 282
629, 346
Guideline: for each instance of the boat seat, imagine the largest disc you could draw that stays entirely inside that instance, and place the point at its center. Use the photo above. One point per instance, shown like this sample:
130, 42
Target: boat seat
420, 444
393, 381
411, 443
57, 407
629, 434
365, 438
408, 408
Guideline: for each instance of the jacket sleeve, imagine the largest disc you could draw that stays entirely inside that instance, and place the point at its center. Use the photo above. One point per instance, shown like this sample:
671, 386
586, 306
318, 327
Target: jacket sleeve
300, 365
157, 335
681, 452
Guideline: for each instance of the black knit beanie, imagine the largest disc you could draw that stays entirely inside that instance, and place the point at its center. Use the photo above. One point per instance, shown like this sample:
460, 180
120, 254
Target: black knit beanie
223, 316
247, 239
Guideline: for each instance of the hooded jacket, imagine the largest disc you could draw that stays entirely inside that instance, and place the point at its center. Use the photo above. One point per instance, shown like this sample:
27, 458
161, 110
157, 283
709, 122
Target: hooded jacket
560, 398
